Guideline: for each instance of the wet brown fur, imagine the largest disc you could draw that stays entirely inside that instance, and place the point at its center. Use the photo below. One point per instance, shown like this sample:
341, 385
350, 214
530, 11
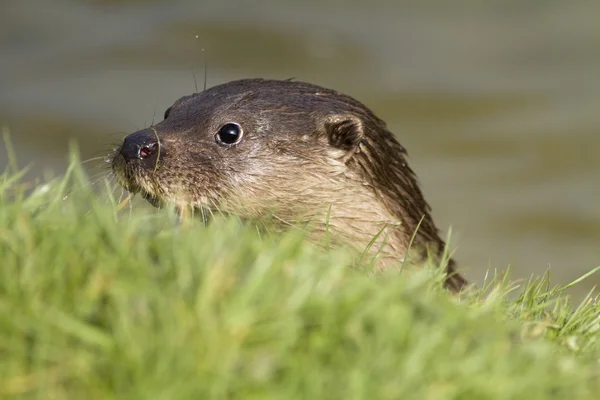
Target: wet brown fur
308, 154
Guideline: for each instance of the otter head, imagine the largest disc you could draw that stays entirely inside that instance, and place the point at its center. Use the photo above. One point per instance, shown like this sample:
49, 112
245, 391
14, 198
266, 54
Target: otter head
249, 148
293, 150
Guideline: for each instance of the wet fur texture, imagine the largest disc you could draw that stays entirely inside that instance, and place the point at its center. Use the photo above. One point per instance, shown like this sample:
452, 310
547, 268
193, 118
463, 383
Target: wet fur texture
308, 155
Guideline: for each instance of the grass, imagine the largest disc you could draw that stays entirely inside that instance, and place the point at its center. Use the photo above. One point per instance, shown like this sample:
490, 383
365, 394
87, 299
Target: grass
101, 304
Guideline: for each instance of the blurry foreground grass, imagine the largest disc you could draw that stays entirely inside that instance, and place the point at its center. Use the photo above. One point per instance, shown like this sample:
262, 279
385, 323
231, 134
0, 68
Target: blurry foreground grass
97, 304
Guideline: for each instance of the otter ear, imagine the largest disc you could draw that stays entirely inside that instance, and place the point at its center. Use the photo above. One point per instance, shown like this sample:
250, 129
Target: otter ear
344, 132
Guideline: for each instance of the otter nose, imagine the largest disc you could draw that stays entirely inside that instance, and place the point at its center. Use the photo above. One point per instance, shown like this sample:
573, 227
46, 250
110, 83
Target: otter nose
139, 145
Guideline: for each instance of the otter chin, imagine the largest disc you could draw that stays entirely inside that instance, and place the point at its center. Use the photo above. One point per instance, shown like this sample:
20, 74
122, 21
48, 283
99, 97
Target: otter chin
298, 152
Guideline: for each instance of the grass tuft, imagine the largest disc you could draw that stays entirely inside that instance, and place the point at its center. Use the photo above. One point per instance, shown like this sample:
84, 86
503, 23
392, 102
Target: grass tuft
100, 304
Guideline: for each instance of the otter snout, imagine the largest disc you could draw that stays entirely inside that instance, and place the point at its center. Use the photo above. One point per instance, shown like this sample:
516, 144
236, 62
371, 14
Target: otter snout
140, 145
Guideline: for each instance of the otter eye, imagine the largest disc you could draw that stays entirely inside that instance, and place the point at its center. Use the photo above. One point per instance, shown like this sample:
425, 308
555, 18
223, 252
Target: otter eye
167, 113
229, 134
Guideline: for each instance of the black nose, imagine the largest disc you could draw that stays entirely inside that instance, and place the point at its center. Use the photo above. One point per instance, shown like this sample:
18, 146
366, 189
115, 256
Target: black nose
139, 145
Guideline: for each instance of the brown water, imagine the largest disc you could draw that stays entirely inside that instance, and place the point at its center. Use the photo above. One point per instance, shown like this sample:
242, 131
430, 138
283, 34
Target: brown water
497, 101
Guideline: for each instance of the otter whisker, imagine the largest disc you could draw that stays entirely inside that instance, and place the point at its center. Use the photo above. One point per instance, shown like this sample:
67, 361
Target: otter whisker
125, 202
205, 74
110, 187
202, 214
89, 160
122, 195
214, 207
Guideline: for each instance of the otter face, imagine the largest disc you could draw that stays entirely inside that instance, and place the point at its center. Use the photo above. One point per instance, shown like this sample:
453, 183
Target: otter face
249, 148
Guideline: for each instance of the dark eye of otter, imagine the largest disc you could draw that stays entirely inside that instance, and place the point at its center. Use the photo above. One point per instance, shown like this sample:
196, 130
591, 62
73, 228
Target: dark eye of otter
167, 113
229, 134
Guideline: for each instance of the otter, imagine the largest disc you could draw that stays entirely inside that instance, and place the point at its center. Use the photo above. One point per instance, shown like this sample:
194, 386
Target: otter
297, 151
